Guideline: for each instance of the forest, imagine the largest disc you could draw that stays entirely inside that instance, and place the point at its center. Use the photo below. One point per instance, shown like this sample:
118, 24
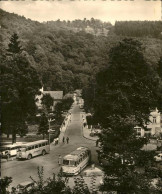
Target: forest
66, 59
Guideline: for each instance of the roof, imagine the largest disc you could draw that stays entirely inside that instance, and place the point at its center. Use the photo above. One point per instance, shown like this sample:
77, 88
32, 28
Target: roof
56, 95
75, 154
34, 142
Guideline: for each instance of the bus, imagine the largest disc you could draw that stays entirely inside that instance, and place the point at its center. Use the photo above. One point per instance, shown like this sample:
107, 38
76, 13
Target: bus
8, 151
76, 161
31, 149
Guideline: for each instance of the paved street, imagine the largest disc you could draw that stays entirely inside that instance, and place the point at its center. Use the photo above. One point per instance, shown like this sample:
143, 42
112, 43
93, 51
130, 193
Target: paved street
22, 170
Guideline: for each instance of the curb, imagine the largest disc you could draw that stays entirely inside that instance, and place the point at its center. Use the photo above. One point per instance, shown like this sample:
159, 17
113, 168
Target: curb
87, 137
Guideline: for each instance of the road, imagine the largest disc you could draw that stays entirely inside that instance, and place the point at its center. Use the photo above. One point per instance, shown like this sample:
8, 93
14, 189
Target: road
21, 170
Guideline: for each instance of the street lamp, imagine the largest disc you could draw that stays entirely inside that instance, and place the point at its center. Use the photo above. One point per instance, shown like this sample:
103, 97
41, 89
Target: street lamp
50, 130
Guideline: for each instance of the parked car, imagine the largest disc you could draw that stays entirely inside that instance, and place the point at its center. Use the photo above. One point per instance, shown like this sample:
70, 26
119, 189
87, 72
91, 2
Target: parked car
95, 132
24, 186
158, 158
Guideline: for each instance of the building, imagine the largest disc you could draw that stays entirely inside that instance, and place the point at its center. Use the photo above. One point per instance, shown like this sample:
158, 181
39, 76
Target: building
56, 95
154, 128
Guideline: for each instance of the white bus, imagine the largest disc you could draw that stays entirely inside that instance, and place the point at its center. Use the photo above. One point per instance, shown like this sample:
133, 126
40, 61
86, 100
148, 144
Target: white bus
76, 161
8, 151
31, 149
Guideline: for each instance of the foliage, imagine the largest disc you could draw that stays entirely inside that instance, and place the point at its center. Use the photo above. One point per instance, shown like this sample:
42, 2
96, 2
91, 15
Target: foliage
20, 84
55, 185
5, 182
80, 186
124, 98
64, 105
43, 125
14, 45
139, 28
47, 100
64, 57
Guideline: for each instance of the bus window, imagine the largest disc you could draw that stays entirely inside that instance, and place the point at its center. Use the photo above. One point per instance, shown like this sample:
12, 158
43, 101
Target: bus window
72, 163
29, 148
66, 162
43, 144
40, 145
36, 146
32, 147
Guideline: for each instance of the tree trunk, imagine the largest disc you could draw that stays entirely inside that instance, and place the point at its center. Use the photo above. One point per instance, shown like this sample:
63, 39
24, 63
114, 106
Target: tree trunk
13, 136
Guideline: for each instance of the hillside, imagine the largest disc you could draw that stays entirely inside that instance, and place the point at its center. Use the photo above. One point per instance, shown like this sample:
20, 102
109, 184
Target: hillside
65, 58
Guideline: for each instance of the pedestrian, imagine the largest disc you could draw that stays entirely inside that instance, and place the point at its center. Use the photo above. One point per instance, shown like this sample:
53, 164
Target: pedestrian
67, 140
59, 160
63, 139
57, 140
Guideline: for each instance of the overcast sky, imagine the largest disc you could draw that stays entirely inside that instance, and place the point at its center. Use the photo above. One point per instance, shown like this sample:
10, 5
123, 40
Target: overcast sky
79, 9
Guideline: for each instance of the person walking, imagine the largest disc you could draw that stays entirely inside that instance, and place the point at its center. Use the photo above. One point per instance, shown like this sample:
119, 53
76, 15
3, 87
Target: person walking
67, 140
63, 139
59, 160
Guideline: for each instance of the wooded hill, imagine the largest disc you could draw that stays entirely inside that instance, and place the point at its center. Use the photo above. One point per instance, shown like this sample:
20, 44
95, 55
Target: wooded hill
65, 58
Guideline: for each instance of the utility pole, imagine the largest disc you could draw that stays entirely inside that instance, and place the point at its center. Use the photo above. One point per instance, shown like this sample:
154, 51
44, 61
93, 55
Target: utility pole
50, 130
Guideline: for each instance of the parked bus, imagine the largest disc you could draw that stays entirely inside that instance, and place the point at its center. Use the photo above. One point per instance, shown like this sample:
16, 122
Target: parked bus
8, 151
31, 149
76, 161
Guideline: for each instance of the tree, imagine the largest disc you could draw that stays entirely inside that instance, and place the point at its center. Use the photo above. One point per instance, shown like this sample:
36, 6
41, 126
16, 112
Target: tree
126, 93
5, 182
47, 100
20, 85
43, 125
14, 45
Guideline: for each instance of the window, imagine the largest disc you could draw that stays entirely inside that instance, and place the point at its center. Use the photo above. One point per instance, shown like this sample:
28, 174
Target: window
43, 144
36, 146
72, 163
14, 148
40, 145
154, 119
32, 147
29, 148
66, 162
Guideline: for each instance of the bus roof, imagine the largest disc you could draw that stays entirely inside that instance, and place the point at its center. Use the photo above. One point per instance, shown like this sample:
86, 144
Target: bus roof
10, 146
33, 143
75, 154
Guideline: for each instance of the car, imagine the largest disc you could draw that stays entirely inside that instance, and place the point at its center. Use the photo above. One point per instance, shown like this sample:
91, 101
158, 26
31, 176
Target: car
24, 186
158, 158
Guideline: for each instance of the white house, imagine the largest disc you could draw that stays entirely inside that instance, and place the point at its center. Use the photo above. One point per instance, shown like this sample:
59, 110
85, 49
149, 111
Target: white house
154, 128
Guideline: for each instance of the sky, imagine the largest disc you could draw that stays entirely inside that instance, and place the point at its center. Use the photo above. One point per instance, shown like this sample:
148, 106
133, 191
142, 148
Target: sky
105, 10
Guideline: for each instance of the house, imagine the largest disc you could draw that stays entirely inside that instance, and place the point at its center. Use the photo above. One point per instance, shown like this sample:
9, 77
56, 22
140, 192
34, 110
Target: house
154, 127
56, 95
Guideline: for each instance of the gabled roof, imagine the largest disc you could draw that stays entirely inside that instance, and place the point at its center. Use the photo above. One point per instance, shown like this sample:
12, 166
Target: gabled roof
56, 95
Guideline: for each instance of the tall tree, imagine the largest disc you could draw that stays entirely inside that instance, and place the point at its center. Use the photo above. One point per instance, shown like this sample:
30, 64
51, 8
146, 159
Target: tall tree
47, 101
43, 125
14, 45
20, 84
126, 94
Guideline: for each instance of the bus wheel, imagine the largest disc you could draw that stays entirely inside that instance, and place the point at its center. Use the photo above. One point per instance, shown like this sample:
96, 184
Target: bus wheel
29, 156
43, 152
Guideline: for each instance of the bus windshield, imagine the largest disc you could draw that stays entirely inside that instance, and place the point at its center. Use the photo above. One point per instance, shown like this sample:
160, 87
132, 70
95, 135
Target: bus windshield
72, 163
66, 162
